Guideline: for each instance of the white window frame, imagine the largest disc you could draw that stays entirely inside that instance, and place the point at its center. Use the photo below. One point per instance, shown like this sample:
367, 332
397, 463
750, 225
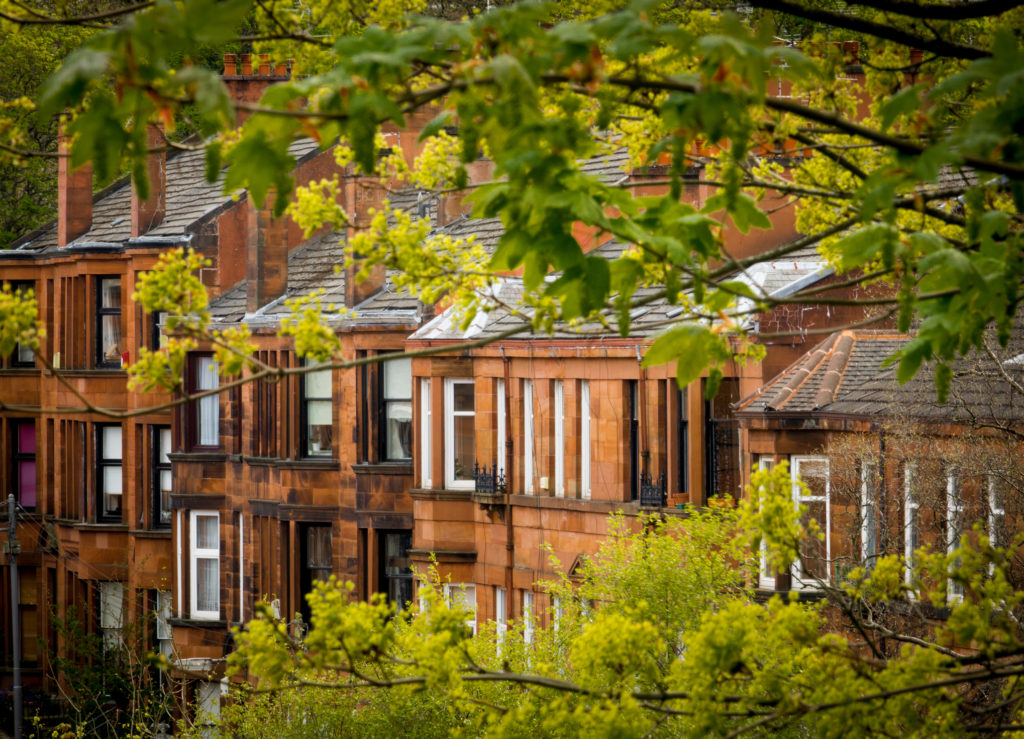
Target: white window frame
527, 616
796, 462
425, 433
162, 615
868, 512
195, 554
765, 576
556, 612
207, 408
501, 426
911, 521
111, 613
954, 514
585, 491
996, 513
449, 432
528, 437
501, 623
559, 412
462, 594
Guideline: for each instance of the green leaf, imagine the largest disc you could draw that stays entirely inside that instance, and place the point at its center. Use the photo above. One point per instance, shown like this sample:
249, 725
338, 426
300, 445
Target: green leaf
903, 102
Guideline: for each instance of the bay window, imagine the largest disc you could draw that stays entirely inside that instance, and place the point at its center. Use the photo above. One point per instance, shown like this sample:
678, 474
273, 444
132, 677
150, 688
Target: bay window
204, 417
161, 476
110, 472
814, 561
25, 463
108, 322
396, 397
317, 413
204, 565
459, 419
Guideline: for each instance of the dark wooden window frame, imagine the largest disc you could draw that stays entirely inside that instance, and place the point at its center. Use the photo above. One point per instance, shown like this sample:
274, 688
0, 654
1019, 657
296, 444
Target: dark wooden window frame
158, 467
101, 362
102, 463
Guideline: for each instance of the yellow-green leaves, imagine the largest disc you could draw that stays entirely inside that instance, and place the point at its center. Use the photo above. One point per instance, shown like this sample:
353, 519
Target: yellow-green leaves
19, 322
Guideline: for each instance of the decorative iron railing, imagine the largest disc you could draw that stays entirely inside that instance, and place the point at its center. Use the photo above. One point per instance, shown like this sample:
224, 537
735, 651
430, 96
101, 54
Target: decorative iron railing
652, 490
488, 480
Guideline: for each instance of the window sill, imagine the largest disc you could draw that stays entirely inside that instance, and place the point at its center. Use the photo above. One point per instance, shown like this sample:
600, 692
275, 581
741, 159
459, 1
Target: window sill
93, 372
200, 623
101, 526
430, 494
161, 533
309, 463
198, 456
383, 468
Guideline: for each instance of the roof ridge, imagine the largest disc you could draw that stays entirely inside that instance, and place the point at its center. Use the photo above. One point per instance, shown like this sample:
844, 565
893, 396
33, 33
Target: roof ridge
812, 361
837, 365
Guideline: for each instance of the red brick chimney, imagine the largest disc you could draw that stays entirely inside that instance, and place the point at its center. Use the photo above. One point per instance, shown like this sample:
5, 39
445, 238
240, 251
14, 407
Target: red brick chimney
244, 86
361, 196
74, 196
266, 254
147, 214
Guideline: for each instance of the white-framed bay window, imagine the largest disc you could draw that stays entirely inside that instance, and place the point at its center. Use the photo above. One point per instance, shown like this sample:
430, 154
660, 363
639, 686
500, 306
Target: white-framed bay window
500, 620
528, 616
954, 527
204, 565
815, 561
559, 413
462, 595
528, 437
911, 521
425, 433
868, 512
500, 391
459, 436
765, 574
585, 439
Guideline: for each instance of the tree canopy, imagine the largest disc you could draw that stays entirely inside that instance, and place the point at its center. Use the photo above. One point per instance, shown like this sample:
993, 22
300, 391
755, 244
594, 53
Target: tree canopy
911, 180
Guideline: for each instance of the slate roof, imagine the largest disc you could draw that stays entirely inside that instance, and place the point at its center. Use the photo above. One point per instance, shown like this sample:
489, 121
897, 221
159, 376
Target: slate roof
609, 167
775, 277
843, 375
189, 198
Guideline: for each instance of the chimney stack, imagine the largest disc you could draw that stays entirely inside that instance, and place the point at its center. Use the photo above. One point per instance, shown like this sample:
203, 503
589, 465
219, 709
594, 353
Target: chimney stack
266, 254
147, 214
74, 196
245, 86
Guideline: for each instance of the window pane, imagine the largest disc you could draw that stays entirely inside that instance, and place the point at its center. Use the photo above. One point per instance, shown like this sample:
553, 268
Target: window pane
165, 446
813, 556
318, 547
110, 292
27, 483
319, 429
207, 587
25, 355
26, 438
463, 393
112, 481
464, 451
110, 340
399, 419
318, 384
815, 476
207, 371
165, 496
207, 533
111, 442
398, 379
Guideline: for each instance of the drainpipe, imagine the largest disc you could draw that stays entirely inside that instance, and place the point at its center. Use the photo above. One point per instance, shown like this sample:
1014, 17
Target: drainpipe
510, 546
645, 449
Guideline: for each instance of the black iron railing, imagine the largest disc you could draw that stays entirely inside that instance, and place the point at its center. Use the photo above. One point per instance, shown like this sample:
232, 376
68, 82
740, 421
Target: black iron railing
488, 480
652, 490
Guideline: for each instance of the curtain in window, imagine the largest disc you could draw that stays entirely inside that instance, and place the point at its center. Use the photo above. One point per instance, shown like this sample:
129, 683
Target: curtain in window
209, 407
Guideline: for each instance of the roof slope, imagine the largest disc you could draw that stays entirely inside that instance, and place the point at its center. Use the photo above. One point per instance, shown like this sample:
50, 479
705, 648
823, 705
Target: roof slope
189, 197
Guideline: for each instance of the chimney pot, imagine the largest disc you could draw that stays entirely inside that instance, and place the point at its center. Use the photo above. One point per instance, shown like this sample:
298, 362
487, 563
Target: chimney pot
265, 65
246, 63
229, 64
